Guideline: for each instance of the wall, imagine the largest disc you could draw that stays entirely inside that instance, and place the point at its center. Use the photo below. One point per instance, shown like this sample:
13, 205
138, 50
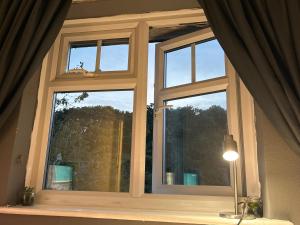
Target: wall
7, 138
280, 170
15, 141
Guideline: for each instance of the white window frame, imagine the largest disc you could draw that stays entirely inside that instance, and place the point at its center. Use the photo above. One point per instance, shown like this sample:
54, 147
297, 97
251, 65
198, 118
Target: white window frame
136, 79
226, 82
98, 37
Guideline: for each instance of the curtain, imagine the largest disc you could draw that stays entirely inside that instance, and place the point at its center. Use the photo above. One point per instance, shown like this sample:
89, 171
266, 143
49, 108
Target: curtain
27, 30
262, 40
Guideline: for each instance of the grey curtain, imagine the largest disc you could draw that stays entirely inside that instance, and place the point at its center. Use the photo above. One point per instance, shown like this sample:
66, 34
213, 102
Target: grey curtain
27, 30
262, 40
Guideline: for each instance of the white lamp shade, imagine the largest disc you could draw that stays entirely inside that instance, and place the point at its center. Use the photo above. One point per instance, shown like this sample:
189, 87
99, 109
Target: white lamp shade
230, 149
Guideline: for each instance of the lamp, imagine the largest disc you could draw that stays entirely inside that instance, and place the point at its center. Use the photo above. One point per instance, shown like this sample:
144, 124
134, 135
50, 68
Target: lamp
230, 154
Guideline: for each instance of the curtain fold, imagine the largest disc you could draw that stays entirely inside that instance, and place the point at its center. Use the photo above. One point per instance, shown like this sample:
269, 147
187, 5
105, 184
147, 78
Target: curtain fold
27, 31
262, 40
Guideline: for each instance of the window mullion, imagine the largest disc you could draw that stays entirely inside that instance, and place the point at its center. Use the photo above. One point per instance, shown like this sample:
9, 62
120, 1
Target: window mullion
137, 171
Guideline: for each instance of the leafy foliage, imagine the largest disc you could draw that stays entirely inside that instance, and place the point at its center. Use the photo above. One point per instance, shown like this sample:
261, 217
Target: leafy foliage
88, 138
64, 101
193, 144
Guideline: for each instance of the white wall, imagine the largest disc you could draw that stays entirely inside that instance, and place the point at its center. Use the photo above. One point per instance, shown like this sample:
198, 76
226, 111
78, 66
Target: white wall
280, 169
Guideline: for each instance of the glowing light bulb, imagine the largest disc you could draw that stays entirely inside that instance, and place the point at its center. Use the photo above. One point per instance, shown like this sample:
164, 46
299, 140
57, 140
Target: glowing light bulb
231, 155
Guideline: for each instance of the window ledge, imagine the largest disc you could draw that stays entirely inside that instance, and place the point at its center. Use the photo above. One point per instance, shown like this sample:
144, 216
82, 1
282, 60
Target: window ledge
133, 214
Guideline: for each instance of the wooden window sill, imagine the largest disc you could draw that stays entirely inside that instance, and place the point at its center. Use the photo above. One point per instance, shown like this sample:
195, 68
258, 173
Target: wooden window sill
133, 214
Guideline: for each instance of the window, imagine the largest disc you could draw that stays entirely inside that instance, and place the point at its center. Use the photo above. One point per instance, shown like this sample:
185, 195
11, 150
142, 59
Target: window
113, 55
208, 62
96, 55
90, 142
110, 133
191, 116
194, 130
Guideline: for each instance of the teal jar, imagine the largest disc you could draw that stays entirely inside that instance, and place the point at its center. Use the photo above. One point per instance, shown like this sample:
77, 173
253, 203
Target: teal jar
190, 179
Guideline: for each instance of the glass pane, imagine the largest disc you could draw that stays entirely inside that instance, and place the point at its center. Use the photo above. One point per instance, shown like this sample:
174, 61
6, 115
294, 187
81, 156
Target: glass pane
83, 56
90, 141
194, 133
114, 55
178, 67
210, 61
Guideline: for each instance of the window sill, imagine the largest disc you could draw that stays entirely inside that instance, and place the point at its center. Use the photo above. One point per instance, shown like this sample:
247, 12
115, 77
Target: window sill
133, 214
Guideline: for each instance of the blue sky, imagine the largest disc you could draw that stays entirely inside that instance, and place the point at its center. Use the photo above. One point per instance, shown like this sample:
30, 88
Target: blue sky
113, 57
122, 100
209, 64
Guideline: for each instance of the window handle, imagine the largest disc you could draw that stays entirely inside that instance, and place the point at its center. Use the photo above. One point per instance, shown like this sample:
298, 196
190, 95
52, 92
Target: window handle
160, 108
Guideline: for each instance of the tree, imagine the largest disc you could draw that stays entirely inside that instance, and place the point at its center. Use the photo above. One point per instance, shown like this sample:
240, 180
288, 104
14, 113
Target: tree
193, 142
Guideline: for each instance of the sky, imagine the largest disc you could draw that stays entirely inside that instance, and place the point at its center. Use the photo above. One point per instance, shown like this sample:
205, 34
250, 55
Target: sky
209, 64
122, 100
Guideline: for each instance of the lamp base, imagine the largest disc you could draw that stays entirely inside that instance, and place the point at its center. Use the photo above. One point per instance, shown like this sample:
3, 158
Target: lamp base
232, 215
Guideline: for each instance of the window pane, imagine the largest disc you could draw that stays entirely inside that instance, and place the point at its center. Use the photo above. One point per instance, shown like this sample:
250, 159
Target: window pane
210, 61
114, 55
194, 132
178, 67
83, 56
90, 141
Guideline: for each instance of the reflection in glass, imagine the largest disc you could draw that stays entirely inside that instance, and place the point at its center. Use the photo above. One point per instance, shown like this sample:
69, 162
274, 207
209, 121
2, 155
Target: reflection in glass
210, 61
194, 132
114, 55
83, 56
178, 67
90, 141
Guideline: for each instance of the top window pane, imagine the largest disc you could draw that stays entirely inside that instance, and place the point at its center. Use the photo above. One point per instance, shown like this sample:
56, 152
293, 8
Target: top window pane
83, 56
114, 55
210, 60
178, 67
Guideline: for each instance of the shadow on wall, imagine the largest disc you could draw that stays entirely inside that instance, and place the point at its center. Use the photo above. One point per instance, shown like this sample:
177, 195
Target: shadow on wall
6, 145
15, 142
281, 173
